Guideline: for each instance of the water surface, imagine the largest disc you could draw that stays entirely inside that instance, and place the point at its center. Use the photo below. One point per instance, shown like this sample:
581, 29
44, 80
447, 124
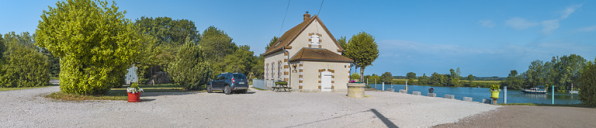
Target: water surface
477, 94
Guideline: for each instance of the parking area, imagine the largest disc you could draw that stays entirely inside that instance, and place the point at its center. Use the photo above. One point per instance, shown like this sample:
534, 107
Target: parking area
27, 108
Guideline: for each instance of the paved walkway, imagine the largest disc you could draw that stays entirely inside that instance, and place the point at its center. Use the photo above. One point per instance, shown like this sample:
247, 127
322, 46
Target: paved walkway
531, 117
27, 108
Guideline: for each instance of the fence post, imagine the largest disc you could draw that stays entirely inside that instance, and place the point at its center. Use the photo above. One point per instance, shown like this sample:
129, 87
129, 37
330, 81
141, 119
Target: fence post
553, 95
505, 95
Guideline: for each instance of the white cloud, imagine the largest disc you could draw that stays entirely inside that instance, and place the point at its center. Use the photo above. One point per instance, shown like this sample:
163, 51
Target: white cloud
587, 29
487, 23
569, 10
548, 26
520, 23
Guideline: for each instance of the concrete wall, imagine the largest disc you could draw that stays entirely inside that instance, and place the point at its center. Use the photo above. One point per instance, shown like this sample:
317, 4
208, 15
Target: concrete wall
311, 75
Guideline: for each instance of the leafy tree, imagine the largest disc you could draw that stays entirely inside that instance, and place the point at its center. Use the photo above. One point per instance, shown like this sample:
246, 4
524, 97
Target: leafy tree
471, 79
387, 77
363, 49
513, 81
240, 61
25, 67
411, 76
216, 45
272, 42
342, 42
95, 42
438, 79
190, 70
423, 80
355, 76
258, 68
453, 78
375, 79
587, 84
169, 31
2, 49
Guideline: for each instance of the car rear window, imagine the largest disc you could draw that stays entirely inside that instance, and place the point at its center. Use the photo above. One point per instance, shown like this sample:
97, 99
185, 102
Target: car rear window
239, 76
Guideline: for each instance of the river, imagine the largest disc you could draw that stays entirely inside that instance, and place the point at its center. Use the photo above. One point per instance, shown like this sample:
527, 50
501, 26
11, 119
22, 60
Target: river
477, 94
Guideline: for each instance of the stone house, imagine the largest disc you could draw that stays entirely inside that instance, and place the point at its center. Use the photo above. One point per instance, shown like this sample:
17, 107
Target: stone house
309, 58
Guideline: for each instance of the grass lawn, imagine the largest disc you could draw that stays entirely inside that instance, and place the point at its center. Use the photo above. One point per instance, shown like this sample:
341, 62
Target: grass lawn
8, 89
118, 93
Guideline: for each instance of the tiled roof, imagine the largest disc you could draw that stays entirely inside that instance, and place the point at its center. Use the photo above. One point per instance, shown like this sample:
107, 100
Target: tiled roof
291, 34
318, 54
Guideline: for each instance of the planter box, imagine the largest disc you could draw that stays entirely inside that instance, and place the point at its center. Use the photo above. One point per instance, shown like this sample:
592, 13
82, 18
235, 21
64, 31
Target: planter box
134, 97
356, 90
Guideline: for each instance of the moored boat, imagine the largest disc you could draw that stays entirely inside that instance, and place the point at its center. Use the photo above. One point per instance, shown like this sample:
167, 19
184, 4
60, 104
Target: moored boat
536, 90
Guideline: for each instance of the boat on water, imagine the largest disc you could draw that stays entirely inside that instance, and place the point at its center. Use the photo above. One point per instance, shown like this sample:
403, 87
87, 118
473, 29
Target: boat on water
536, 90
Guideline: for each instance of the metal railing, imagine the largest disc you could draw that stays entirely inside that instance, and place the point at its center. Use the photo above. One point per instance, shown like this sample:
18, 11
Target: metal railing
262, 84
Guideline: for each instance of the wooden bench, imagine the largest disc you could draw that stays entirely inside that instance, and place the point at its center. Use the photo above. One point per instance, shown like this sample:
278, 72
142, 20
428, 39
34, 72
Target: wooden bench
281, 86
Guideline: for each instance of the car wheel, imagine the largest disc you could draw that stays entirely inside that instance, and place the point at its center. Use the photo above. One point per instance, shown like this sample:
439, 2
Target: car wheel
227, 90
209, 89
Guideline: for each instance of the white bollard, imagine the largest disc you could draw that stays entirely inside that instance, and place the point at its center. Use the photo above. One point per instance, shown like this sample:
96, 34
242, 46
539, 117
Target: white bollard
505, 95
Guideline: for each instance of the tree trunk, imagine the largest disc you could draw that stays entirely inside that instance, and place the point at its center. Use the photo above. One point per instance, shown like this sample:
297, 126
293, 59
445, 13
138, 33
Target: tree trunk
361, 73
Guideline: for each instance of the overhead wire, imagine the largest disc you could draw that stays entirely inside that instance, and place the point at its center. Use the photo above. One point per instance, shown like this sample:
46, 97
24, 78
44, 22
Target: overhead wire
282, 22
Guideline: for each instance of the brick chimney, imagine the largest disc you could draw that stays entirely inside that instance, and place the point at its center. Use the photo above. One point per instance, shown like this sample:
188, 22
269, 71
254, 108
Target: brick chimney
306, 16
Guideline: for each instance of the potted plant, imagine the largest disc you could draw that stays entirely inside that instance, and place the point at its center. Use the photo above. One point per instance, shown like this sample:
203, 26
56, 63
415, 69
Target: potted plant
134, 93
494, 90
431, 90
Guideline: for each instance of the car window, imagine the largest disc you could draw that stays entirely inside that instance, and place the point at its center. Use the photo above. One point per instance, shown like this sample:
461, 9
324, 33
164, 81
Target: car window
239, 76
219, 77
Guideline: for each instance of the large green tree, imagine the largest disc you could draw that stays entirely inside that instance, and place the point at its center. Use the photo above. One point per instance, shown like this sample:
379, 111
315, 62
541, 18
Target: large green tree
23, 65
343, 43
471, 79
453, 78
240, 61
587, 84
272, 42
411, 76
95, 42
216, 45
190, 70
363, 49
387, 77
423, 80
168, 31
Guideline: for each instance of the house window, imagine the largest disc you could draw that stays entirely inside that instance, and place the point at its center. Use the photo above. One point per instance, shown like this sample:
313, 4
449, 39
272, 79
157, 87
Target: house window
266, 73
315, 39
272, 70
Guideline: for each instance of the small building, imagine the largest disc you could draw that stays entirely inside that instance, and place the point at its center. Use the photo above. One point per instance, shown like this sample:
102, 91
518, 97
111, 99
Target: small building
309, 58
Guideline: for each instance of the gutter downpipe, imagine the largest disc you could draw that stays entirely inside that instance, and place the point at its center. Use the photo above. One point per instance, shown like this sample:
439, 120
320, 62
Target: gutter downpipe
289, 67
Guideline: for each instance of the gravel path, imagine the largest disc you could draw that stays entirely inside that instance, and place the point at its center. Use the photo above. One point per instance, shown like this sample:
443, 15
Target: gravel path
530, 117
27, 108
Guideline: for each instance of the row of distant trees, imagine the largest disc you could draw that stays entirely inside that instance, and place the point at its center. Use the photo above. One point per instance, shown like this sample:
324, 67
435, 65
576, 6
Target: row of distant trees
22, 64
560, 72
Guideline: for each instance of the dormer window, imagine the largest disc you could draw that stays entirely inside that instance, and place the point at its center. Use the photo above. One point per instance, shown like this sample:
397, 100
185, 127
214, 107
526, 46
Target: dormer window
315, 40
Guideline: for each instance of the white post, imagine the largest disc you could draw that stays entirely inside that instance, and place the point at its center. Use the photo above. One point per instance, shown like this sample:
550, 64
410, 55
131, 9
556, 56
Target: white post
505, 95
406, 86
383, 86
375, 83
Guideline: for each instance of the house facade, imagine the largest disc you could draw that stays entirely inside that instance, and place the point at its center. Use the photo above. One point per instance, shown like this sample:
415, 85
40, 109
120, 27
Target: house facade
309, 58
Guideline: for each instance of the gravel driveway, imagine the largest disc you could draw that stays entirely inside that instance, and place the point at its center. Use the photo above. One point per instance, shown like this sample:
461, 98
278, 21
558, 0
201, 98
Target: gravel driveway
27, 108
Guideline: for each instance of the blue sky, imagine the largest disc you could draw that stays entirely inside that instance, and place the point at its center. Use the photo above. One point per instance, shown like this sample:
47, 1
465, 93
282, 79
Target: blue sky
483, 38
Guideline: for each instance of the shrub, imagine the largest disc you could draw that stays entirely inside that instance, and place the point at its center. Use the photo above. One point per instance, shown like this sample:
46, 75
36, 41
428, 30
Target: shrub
587, 85
495, 87
25, 68
190, 70
97, 48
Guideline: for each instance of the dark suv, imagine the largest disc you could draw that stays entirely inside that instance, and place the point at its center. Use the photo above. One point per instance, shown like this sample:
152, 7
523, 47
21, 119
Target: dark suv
229, 83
